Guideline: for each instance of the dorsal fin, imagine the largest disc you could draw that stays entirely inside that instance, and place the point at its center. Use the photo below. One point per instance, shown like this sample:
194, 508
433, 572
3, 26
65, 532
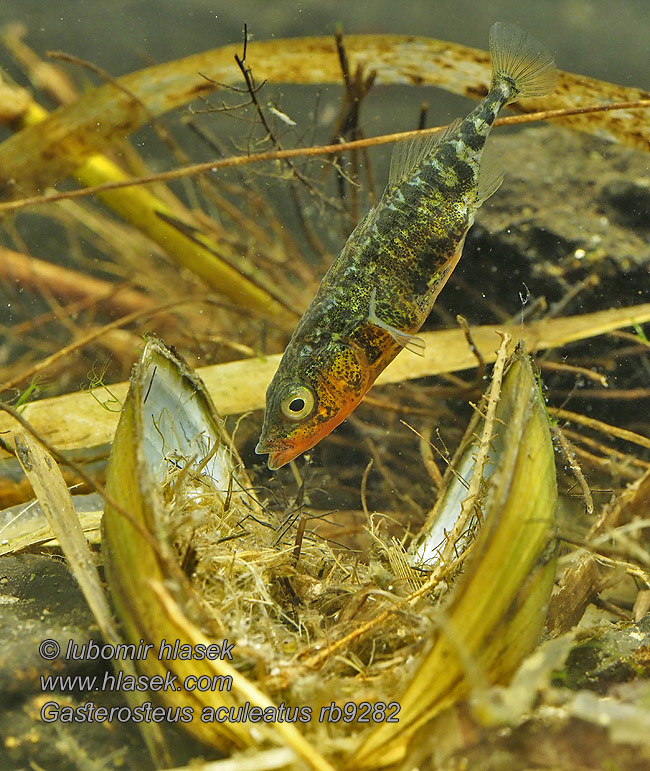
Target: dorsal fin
409, 153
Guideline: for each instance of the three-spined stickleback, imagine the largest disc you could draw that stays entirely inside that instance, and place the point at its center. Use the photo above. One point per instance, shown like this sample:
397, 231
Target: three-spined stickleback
382, 286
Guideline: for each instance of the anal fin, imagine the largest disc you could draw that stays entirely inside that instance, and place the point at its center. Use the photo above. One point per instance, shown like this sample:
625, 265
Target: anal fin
410, 342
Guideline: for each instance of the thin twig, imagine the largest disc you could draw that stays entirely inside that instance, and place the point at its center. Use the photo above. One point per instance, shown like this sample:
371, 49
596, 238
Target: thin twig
364, 487
561, 366
569, 454
599, 425
426, 451
480, 369
299, 152
158, 127
347, 125
89, 338
634, 394
300, 532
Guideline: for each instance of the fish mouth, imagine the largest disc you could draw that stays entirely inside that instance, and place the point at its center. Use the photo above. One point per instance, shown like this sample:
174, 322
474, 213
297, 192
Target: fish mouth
281, 458
277, 458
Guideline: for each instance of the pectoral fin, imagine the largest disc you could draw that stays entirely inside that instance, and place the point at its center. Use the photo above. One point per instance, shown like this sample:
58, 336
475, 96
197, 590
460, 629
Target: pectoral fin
490, 178
410, 342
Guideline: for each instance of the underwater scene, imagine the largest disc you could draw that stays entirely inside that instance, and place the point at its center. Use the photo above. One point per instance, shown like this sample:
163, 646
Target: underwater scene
325, 385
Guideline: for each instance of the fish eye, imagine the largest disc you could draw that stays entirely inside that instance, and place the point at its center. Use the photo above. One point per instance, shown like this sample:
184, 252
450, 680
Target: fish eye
298, 403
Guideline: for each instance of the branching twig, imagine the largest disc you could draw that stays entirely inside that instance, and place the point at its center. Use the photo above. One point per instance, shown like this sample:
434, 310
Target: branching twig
252, 91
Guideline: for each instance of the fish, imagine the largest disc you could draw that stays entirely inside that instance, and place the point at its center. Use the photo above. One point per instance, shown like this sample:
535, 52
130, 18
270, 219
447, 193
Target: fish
379, 291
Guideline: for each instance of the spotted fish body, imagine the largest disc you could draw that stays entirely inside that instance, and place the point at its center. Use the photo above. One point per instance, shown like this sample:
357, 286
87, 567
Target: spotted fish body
382, 286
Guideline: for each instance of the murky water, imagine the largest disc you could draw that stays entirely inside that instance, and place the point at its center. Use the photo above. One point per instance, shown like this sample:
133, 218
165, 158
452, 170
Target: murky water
533, 225
603, 38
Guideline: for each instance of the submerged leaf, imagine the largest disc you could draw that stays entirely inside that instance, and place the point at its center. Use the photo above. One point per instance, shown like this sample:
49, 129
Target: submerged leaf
78, 420
41, 155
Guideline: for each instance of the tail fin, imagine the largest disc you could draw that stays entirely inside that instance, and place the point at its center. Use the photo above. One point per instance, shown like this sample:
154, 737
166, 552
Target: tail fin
519, 60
